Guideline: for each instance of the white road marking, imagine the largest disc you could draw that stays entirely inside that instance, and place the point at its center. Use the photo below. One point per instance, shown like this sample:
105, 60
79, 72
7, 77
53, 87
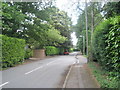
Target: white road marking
50, 63
33, 70
74, 63
4, 84
78, 61
38, 68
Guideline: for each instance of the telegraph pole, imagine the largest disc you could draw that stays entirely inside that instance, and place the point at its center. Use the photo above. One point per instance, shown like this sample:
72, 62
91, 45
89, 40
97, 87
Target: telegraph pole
92, 29
86, 19
83, 45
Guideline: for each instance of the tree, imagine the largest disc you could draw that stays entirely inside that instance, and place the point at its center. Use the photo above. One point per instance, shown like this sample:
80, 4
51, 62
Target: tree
12, 19
34, 24
111, 9
61, 22
94, 17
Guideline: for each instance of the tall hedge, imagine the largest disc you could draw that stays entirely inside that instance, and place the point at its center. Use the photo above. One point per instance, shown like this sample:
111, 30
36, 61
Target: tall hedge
99, 44
12, 51
106, 44
113, 45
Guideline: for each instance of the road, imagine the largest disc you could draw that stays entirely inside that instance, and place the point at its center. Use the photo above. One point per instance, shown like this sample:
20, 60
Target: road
46, 73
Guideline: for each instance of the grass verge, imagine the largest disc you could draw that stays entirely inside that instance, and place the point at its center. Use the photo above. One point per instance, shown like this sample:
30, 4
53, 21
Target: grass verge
103, 77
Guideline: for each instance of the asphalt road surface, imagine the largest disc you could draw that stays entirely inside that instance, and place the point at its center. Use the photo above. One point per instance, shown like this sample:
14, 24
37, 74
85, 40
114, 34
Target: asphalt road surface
46, 73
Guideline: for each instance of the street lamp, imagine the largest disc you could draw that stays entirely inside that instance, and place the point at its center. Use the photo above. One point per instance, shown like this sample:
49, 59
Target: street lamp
83, 43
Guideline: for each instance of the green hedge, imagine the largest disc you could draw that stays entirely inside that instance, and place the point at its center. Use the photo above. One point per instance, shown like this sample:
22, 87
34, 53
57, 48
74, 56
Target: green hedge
99, 38
70, 49
12, 51
61, 50
28, 53
51, 50
106, 45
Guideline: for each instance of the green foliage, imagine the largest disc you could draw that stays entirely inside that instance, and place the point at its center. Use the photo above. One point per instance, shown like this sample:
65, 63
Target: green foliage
54, 36
28, 53
99, 40
70, 49
113, 45
51, 50
61, 22
106, 43
111, 9
80, 44
61, 50
93, 18
12, 19
34, 22
12, 51
104, 77
44, 34
76, 49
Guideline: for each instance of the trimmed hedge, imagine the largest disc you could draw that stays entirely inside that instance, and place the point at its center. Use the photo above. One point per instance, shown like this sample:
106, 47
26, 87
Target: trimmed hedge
61, 50
99, 38
12, 51
51, 50
106, 45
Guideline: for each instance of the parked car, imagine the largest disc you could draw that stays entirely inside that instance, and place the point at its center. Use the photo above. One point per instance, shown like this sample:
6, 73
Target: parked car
66, 53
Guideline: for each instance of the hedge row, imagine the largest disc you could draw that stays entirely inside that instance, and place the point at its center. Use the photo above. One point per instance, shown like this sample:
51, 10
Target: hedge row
51, 50
106, 44
12, 51
28, 53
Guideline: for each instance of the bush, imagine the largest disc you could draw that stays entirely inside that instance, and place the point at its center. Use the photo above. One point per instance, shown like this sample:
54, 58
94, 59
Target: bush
51, 50
70, 49
28, 53
106, 44
105, 80
76, 49
61, 51
12, 51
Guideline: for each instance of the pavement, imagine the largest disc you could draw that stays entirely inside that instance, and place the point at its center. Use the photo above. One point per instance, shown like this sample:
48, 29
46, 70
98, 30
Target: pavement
80, 75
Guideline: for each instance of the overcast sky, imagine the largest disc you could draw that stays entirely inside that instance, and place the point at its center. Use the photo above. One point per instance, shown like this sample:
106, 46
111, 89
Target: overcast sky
67, 6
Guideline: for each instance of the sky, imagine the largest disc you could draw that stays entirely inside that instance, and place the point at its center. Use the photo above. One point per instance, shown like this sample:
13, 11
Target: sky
67, 6
74, 39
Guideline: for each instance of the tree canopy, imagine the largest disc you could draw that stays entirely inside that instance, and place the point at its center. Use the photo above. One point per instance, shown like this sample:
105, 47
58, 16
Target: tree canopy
39, 23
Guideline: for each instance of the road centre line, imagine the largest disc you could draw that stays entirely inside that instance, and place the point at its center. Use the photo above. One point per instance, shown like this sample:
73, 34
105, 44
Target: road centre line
33, 70
78, 61
4, 84
38, 68
50, 62
74, 62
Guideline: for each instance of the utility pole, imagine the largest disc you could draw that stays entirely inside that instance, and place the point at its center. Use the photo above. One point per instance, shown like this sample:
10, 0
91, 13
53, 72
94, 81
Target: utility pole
92, 21
92, 29
86, 19
83, 45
